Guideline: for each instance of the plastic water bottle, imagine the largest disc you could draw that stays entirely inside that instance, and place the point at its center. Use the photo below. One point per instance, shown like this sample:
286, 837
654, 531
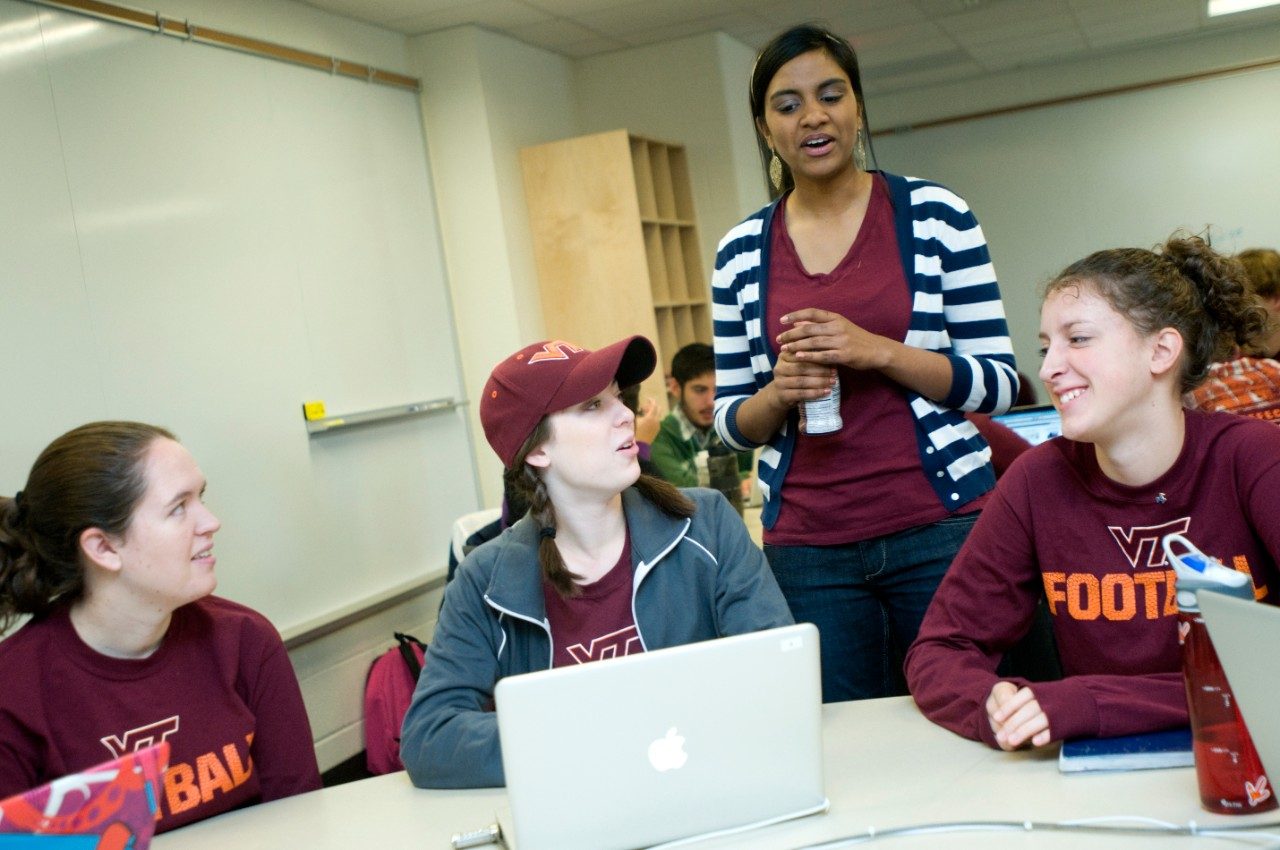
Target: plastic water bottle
822, 415
1228, 769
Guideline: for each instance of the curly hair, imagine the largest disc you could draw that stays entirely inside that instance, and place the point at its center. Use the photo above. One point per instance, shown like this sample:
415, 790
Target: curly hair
1183, 284
1262, 270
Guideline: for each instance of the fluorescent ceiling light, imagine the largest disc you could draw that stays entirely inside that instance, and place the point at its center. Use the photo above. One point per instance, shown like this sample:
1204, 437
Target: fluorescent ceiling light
1228, 7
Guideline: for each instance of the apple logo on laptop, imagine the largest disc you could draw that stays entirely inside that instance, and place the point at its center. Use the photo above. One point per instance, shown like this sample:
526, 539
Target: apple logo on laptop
667, 752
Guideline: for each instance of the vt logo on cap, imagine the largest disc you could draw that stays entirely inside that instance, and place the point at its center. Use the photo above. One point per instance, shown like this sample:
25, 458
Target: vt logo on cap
555, 350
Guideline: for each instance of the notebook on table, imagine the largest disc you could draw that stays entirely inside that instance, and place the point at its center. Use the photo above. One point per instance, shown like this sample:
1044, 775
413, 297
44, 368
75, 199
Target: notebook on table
1034, 423
1150, 750
1245, 635
110, 806
665, 745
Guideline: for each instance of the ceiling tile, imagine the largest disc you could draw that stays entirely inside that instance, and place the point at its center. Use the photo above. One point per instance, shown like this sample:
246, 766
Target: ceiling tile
620, 21
926, 76
383, 12
753, 33
553, 34
684, 29
895, 45
992, 22
935, 9
856, 15
900, 42
495, 14
941, 59
592, 47
1003, 55
570, 8
1137, 30
1110, 20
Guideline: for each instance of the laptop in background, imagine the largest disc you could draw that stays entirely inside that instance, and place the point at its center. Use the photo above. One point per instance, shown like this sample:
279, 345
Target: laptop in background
1244, 635
112, 805
664, 745
1034, 423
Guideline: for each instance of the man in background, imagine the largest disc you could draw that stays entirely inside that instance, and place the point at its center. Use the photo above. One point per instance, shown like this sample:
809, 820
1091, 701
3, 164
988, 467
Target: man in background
686, 431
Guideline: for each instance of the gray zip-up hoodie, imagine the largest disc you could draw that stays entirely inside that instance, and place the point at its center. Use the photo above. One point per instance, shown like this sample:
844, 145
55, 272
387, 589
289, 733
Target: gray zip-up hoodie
692, 580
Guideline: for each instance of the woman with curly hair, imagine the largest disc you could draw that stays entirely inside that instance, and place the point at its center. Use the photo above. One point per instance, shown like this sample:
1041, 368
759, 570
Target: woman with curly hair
1125, 332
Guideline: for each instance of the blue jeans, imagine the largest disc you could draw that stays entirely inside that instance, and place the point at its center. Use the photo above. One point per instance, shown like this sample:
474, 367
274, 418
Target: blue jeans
867, 600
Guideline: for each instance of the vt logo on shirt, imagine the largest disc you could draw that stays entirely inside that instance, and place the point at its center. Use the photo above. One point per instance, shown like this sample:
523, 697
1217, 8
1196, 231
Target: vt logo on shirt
1145, 591
613, 645
1141, 544
187, 785
143, 736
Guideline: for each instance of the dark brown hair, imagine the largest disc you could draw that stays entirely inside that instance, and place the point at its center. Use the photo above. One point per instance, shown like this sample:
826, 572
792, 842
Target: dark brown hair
90, 477
1183, 284
1262, 268
801, 39
526, 481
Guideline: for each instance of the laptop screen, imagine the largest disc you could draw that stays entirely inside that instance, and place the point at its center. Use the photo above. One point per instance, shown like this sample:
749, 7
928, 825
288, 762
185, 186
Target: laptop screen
667, 744
1035, 423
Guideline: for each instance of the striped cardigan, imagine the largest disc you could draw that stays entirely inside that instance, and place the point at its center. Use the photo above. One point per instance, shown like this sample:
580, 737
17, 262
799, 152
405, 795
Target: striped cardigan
956, 311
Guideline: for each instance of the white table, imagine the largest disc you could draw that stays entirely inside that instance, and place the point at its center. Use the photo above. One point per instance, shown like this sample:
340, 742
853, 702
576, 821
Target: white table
886, 766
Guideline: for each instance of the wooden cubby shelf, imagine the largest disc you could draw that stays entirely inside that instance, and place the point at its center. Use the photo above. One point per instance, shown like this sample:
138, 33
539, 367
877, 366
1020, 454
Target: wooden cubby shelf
616, 243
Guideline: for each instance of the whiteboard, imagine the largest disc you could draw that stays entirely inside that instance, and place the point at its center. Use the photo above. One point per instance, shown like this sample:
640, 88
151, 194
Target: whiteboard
1052, 185
204, 239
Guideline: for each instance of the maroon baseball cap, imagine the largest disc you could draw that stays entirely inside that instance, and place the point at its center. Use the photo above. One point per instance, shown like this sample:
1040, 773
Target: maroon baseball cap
549, 376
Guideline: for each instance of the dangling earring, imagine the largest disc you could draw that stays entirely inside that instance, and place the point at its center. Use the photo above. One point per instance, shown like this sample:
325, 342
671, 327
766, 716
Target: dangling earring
775, 171
860, 153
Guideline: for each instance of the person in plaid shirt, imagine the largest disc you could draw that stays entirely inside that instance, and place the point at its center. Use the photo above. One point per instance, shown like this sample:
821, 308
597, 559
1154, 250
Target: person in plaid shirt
1249, 384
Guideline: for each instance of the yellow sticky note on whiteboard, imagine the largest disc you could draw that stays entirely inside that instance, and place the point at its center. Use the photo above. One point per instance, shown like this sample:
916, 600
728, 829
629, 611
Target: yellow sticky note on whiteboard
312, 410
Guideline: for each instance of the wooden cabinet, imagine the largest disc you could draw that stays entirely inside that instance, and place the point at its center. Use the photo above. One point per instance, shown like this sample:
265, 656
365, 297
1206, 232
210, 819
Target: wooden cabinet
616, 243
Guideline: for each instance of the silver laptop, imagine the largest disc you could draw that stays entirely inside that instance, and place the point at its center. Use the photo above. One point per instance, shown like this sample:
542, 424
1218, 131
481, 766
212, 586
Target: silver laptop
631, 752
1245, 634
1034, 423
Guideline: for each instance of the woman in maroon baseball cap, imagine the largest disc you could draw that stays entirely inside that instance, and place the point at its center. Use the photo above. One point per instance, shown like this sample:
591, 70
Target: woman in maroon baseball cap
606, 563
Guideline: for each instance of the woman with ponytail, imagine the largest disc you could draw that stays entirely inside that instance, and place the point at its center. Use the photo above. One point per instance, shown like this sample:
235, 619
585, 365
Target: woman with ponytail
1125, 332
109, 550
607, 562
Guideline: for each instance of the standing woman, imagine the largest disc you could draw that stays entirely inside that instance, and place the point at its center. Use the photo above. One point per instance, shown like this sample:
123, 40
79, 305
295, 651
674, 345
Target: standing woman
109, 548
607, 562
883, 282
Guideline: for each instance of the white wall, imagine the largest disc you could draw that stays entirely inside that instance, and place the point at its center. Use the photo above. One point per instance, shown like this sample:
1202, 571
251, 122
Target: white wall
484, 97
736, 62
